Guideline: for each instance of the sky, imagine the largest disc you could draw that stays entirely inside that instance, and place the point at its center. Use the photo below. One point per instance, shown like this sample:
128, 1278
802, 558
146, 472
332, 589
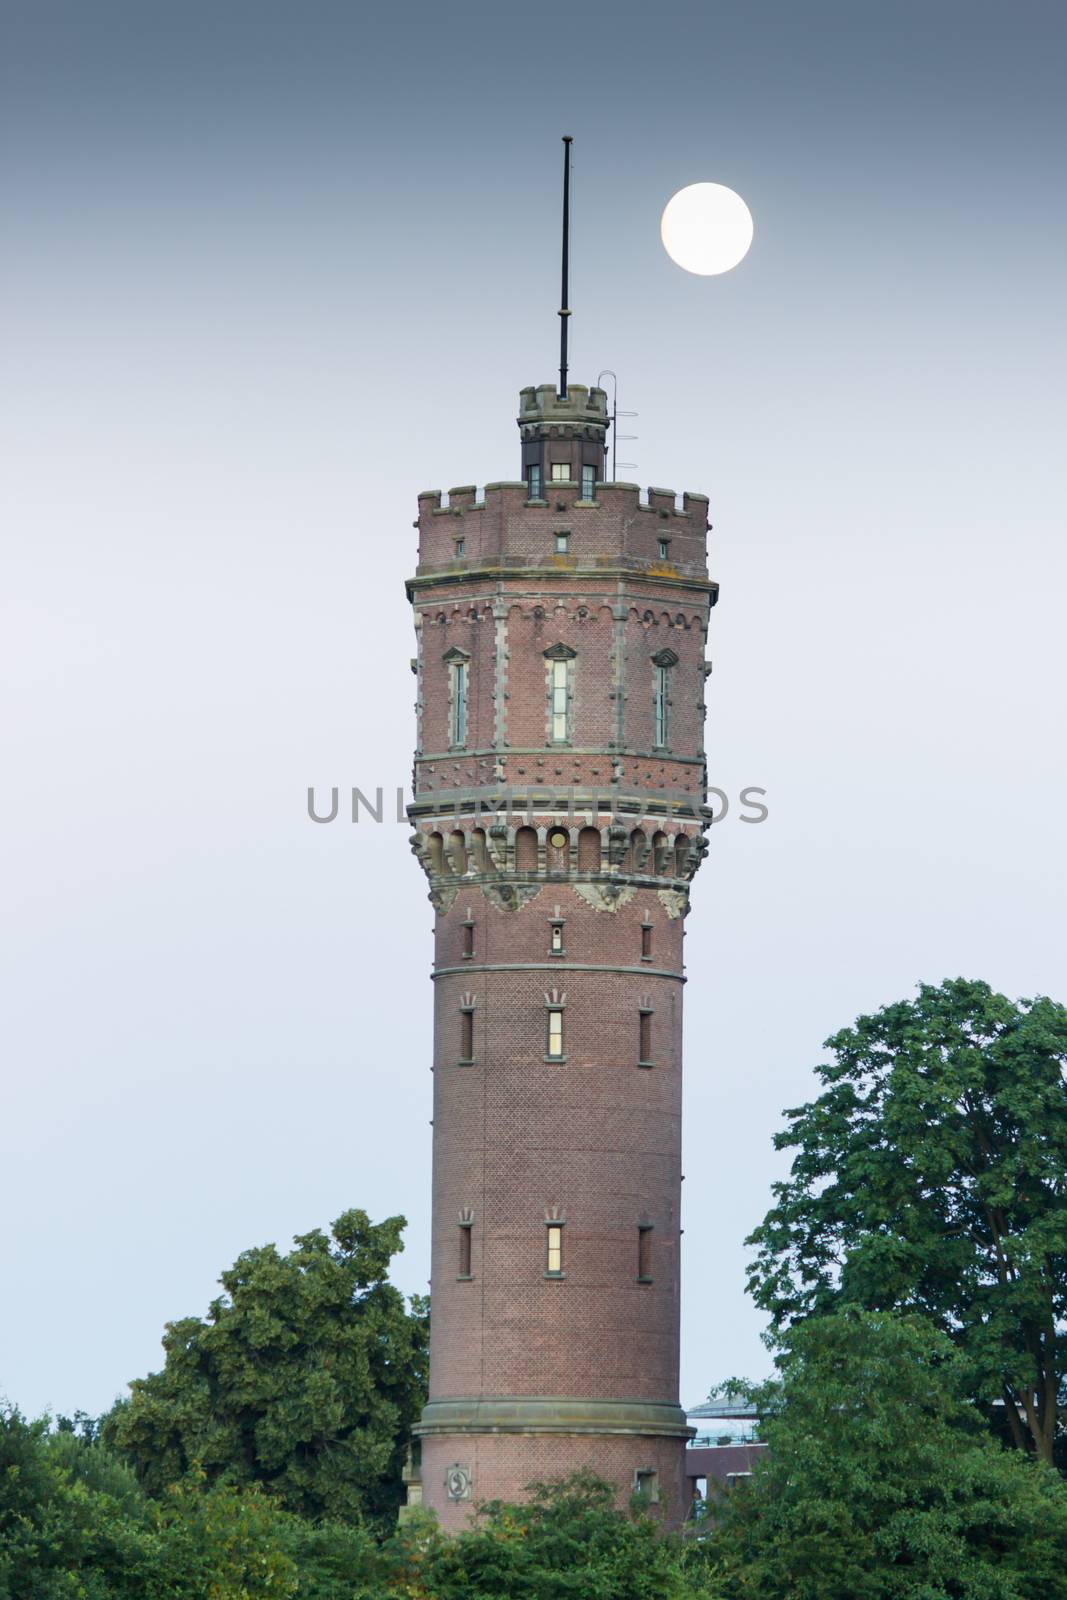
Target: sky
270, 270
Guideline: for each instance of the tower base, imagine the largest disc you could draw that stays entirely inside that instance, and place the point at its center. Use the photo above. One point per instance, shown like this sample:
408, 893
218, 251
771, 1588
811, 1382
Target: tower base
472, 1449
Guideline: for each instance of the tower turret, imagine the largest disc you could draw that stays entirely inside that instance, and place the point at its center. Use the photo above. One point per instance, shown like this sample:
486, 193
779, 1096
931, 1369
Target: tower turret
563, 440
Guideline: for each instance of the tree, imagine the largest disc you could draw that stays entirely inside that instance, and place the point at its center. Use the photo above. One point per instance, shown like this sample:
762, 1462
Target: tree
76, 1525
305, 1378
882, 1482
568, 1541
930, 1176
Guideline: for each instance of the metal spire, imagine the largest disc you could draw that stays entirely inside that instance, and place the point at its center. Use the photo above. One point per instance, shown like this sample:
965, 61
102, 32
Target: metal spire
564, 310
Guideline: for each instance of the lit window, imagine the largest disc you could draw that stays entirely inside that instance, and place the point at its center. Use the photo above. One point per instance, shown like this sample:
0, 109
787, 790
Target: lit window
555, 943
459, 702
644, 1254
588, 483
662, 704
554, 1250
466, 1036
533, 479
644, 1053
559, 701
464, 1250
561, 471
664, 549
555, 1035
562, 540
646, 941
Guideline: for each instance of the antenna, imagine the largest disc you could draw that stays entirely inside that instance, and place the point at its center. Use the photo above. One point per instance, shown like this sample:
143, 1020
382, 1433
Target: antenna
615, 415
564, 309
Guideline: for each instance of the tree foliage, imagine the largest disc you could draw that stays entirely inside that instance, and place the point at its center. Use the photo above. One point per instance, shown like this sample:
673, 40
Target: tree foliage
930, 1176
76, 1525
882, 1482
305, 1378
567, 1542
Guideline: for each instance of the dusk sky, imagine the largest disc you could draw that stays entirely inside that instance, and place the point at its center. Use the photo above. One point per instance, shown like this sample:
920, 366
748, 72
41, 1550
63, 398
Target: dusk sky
270, 270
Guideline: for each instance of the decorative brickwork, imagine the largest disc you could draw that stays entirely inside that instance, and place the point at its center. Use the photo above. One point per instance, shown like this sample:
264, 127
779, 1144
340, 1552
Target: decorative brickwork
559, 815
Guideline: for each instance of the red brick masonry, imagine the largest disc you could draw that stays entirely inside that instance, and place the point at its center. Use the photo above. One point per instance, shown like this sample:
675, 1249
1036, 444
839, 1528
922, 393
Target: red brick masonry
540, 1364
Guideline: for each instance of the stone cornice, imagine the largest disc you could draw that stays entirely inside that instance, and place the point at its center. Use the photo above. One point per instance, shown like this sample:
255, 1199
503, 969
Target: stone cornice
544, 576
555, 1414
556, 966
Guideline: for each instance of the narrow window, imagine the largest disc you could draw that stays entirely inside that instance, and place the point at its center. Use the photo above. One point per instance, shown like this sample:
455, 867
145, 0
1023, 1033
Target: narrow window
466, 1036
464, 1250
662, 704
664, 549
646, 941
468, 941
562, 543
555, 941
559, 702
459, 702
644, 1254
554, 1250
533, 479
461, 545
646, 1484
644, 1054
561, 471
588, 483
555, 1034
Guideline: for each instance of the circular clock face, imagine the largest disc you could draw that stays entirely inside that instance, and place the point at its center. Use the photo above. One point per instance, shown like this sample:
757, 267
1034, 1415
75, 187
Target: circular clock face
557, 839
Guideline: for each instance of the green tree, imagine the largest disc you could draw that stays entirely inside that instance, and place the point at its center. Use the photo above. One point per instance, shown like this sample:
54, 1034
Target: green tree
305, 1378
929, 1176
882, 1482
567, 1542
76, 1525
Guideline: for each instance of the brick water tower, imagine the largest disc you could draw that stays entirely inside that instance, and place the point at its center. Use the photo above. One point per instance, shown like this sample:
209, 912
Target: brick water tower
559, 814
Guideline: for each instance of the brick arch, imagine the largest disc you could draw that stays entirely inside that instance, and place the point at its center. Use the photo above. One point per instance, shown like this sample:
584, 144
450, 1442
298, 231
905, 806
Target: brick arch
457, 849
589, 850
526, 850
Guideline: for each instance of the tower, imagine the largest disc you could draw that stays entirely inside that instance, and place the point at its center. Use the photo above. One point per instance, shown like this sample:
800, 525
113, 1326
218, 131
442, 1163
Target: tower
559, 814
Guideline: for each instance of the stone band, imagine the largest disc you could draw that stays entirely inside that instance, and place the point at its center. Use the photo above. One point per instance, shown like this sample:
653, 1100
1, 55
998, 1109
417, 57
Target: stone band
555, 1414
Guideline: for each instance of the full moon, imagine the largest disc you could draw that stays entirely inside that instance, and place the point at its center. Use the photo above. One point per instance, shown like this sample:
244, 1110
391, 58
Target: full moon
706, 228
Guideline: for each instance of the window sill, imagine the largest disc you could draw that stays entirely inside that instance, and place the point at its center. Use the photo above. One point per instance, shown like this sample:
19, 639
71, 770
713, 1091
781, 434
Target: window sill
644, 1280
557, 953
646, 1064
555, 1275
464, 1277
535, 502
646, 958
466, 1061
554, 1061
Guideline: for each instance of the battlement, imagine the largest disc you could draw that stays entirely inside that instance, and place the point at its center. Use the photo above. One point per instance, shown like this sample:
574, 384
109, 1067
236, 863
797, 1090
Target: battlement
620, 496
582, 406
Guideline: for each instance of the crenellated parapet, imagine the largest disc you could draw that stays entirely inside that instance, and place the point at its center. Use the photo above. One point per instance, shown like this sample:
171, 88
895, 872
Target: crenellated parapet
462, 537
